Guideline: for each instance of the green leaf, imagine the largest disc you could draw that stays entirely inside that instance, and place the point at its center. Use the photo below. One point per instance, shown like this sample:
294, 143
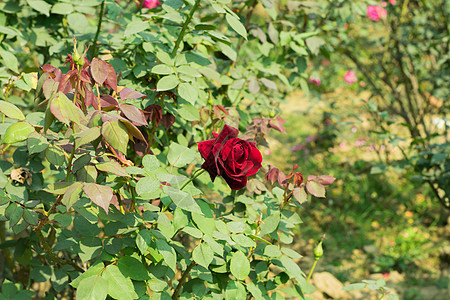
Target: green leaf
14, 213
92, 288
112, 167
65, 110
86, 136
162, 69
72, 194
235, 290
62, 8
11, 111
272, 251
179, 155
55, 155
31, 217
147, 186
203, 255
132, 268
41, 6
150, 163
291, 267
119, 287
236, 24
143, 239
239, 266
189, 112
58, 188
136, 26
168, 253
115, 133
95, 269
188, 92
167, 83
99, 194
17, 132
78, 22
10, 61
36, 143
315, 188
182, 199
270, 224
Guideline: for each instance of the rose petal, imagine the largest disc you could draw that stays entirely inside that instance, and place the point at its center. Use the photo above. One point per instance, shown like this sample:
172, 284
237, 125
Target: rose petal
235, 183
255, 157
205, 148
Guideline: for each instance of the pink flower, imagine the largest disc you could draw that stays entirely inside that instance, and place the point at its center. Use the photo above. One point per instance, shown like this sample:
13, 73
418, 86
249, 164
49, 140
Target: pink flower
350, 77
149, 3
376, 12
392, 2
342, 145
359, 143
316, 81
354, 129
384, 4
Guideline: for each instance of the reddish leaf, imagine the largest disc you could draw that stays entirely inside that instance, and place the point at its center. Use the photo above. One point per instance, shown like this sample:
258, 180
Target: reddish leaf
84, 76
49, 87
111, 80
127, 93
277, 124
99, 194
48, 68
315, 189
154, 114
99, 70
107, 102
300, 195
272, 174
89, 99
218, 110
167, 120
112, 167
322, 179
132, 130
134, 114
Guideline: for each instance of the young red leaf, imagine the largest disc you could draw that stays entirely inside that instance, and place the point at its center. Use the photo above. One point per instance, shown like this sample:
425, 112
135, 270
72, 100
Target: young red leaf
134, 114
132, 130
99, 70
322, 179
127, 93
167, 120
315, 189
277, 124
107, 102
111, 80
99, 194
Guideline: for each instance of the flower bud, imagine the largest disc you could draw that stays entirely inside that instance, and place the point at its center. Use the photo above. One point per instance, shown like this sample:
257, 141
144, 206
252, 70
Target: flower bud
318, 251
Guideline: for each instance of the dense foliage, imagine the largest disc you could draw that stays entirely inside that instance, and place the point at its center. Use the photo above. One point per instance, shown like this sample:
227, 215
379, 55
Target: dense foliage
98, 184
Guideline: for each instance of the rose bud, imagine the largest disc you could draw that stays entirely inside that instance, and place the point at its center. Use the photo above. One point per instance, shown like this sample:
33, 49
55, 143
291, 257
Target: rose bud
230, 157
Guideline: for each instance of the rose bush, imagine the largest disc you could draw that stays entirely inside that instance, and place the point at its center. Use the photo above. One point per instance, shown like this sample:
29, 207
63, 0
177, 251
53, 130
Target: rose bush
230, 157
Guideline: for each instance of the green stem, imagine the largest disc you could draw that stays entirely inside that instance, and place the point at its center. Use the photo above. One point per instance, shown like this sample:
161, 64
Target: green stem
185, 25
182, 279
198, 173
99, 25
312, 268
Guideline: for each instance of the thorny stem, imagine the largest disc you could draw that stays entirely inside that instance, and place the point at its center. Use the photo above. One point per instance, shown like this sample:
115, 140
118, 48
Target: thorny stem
99, 25
182, 279
185, 25
198, 173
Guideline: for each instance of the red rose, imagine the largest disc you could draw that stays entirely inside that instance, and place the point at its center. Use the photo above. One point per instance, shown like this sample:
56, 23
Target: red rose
230, 157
